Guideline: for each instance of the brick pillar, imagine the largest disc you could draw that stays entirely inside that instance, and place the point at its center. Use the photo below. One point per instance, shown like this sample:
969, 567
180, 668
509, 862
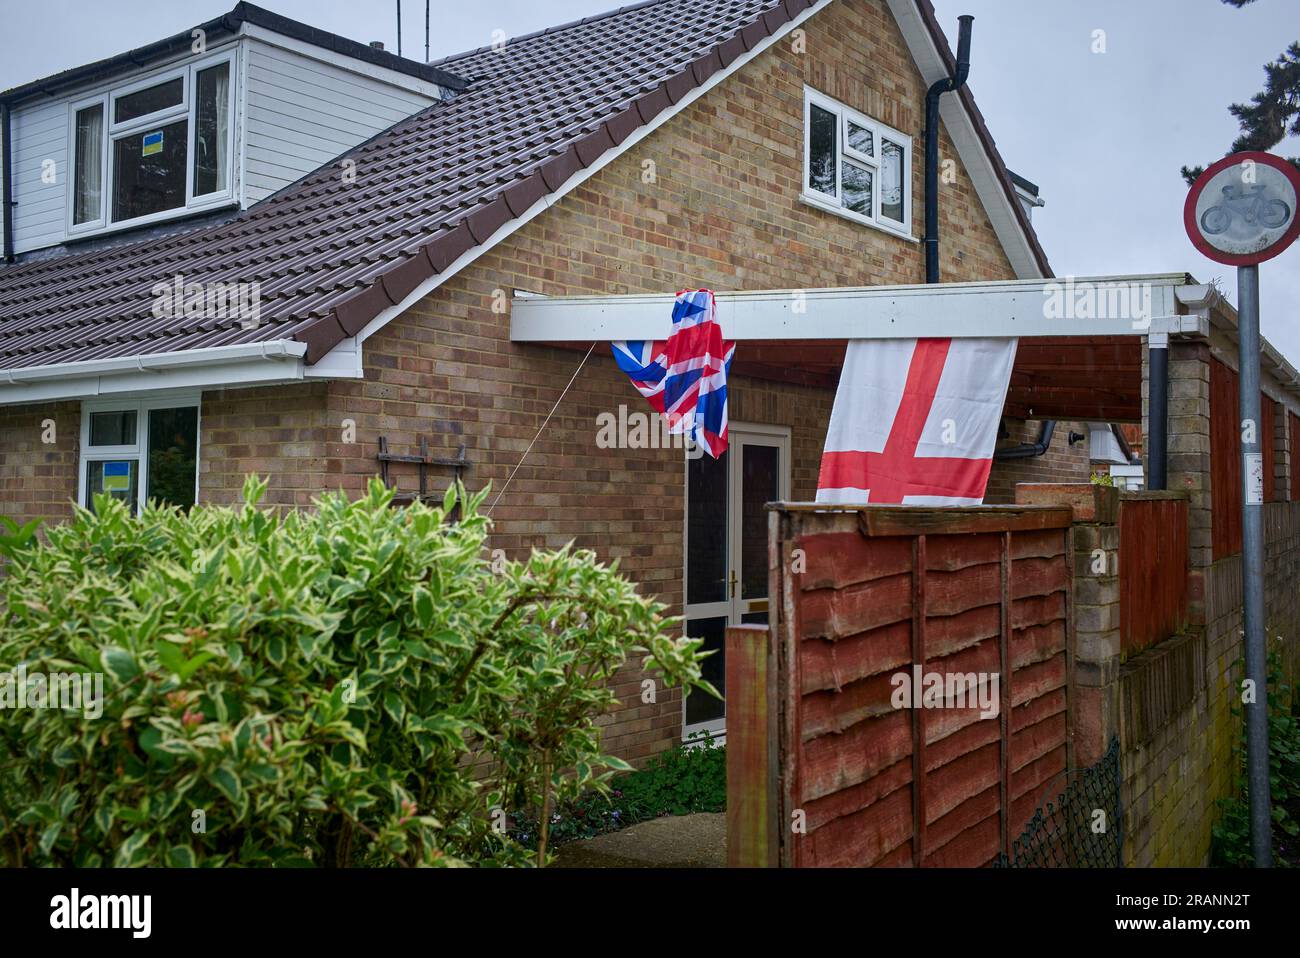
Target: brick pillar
1094, 704
1189, 459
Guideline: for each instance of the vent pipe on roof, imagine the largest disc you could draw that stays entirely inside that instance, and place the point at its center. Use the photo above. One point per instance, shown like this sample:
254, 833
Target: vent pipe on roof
947, 85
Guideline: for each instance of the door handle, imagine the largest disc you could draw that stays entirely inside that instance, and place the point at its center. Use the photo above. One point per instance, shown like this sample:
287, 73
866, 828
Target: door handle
733, 583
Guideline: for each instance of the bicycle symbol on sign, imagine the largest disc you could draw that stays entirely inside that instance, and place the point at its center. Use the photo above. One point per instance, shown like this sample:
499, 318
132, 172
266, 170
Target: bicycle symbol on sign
1252, 207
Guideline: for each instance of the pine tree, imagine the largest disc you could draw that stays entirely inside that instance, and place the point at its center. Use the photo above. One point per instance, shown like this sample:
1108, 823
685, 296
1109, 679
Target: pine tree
1270, 116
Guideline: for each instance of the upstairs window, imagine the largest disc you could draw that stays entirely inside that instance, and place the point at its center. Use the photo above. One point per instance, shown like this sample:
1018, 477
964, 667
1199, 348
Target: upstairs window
856, 166
153, 148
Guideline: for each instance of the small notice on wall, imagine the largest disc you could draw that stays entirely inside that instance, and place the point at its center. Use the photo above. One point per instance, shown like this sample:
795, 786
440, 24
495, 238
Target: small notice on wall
1254, 479
153, 143
117, 476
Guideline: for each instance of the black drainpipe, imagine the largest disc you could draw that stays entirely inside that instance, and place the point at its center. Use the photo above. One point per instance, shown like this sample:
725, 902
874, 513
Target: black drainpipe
952, 84
947, 85
6, 193
1158, 413
1030, 450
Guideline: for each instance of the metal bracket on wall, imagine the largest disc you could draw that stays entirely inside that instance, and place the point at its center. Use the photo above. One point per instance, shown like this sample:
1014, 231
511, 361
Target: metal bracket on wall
423, 462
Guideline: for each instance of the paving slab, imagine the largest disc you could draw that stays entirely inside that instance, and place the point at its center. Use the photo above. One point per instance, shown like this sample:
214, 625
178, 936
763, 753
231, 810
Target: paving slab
672, 841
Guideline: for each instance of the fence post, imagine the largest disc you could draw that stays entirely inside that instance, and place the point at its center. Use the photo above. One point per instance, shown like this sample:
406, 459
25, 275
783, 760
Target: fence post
751, 750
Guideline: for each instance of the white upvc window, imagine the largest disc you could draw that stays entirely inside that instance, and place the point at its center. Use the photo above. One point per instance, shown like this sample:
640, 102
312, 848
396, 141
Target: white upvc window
153, 149
855, 166
137, 450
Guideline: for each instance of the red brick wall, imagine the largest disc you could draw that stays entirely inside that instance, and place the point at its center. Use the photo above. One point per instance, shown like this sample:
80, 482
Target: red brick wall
1061, 463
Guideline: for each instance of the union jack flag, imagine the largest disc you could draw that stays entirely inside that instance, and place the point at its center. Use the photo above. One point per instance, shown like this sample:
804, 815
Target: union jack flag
685, 377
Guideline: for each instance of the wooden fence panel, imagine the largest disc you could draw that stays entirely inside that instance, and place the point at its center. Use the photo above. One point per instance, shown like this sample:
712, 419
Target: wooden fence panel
1225, 461
1152, 568
1294, 445
1267, 423
875, 606
1225, 457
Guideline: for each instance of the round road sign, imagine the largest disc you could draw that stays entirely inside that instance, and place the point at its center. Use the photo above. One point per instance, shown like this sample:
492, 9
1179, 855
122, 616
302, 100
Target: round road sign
1244, 209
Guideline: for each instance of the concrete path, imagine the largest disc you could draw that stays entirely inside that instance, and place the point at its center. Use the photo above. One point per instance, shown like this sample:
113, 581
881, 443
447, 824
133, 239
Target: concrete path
673, 841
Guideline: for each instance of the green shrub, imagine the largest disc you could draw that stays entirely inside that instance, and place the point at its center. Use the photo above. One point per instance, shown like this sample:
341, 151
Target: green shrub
1231, 833
15, 538
679, 781
308, 688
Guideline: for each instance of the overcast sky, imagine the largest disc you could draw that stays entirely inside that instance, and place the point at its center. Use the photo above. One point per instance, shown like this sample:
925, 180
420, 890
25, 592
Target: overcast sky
1102, 134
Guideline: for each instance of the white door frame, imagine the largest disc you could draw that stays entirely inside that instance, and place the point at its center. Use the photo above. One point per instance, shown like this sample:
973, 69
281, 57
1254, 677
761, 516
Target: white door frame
734, 606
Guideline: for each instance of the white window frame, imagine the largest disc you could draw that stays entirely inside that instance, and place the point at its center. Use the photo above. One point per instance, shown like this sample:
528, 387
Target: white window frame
139, 450
112, 132
879, 132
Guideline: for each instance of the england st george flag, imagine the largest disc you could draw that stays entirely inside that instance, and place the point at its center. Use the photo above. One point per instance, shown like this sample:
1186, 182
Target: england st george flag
915, 421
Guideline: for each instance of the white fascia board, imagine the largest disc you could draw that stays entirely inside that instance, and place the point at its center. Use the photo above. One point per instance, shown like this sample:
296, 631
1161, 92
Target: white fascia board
242, 365
1008, 308
546, 202
961, 129
341, 362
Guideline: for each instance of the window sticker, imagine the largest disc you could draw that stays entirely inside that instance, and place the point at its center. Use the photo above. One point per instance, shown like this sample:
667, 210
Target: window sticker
117, 476
152, 143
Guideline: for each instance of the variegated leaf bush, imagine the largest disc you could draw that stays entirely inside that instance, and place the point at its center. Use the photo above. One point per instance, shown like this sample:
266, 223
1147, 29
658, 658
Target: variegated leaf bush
353, 684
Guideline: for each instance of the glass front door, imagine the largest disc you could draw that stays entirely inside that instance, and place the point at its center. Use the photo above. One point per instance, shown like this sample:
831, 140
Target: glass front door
726, 550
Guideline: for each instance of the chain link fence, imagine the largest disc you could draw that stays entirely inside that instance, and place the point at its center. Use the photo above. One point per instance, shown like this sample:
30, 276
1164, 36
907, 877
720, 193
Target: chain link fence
1083, 828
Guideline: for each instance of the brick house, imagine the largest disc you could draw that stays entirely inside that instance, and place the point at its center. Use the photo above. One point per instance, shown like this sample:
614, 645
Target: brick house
390, 211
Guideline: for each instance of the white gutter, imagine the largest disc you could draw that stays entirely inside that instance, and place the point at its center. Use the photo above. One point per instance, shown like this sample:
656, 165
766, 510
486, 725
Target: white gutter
280, 349
219, 367
1223, 315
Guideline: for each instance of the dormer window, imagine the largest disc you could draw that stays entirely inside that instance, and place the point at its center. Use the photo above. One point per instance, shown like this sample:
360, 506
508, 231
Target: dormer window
153, 149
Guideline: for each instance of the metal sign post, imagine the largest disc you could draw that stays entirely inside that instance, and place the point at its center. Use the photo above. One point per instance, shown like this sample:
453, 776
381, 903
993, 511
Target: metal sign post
1243, 211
